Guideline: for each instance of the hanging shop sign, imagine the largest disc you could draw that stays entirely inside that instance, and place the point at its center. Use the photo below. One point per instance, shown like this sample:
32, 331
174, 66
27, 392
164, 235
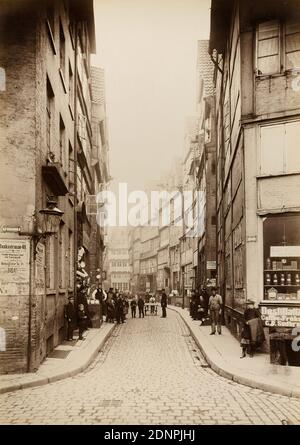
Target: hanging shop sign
14, 267
280, 316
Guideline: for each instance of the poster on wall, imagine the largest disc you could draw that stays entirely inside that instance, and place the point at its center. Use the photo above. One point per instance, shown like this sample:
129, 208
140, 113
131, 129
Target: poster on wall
14, 267
40, 269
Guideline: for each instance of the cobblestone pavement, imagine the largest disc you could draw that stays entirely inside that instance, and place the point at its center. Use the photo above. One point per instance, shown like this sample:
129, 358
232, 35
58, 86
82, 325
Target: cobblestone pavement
149, 372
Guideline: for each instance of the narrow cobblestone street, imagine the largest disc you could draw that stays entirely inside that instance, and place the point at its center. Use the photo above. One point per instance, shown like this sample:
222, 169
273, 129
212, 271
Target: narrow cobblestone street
150, 372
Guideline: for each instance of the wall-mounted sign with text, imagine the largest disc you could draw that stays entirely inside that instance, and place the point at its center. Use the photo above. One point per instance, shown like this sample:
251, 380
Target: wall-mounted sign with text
285, 251
281, 316
211, 265
14, 267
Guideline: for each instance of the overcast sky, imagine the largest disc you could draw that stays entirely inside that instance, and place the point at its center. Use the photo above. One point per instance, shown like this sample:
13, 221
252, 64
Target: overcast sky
148, 49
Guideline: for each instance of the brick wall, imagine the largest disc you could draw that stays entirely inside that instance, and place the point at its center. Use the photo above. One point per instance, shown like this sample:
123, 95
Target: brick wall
17, 168
27, 57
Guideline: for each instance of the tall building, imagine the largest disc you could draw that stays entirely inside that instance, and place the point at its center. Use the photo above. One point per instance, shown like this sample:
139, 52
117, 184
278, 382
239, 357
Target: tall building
48, 168
134, 255
100, 173
256, 53
118, 266
205, 165
188, 247
148, 259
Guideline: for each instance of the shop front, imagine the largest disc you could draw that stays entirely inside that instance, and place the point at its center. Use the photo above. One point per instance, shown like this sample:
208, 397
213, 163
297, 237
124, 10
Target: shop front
280, 307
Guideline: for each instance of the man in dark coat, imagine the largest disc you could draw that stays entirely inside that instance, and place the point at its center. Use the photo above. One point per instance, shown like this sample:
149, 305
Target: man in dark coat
133, 307
120, 309
82, 299
192, 305
100, 296
205, 296
164, 304
141, 305
197, 305
82, 320
70, 316
110, 307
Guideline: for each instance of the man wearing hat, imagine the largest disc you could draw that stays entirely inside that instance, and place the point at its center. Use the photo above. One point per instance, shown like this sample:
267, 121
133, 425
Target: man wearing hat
164, 303
215, 310
70, 316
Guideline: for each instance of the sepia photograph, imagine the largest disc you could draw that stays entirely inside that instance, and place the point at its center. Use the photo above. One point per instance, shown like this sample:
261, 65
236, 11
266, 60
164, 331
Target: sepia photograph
150, 215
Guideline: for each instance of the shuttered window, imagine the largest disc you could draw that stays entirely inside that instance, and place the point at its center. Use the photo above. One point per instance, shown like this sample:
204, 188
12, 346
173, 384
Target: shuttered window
279, 151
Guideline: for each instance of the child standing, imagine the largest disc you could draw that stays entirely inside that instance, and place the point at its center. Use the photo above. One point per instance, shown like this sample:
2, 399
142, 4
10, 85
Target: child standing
82, 318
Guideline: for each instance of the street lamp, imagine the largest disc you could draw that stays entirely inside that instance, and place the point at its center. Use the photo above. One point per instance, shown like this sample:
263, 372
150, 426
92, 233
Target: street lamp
50, 218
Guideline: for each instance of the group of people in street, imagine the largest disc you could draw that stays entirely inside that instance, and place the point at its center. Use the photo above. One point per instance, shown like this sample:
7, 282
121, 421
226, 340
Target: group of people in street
77, 315
208, 305
204, 305
115, 305
139, 302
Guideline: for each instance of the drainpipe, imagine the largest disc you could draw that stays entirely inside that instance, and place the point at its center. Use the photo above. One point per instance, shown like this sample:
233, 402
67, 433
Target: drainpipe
223, 257
31, 263
75, 167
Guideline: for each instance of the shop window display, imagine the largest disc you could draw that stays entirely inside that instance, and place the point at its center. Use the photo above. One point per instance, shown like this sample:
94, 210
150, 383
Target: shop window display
280, 308
282, 258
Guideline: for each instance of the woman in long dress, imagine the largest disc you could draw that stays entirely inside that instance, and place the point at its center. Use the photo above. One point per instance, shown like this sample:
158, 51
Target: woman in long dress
252, 333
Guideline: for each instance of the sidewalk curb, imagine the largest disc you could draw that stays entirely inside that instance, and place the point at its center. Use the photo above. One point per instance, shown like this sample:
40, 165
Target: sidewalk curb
62, 375
223, 371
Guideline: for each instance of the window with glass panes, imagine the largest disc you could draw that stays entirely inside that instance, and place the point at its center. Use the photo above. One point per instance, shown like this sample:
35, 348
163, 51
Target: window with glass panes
277, 46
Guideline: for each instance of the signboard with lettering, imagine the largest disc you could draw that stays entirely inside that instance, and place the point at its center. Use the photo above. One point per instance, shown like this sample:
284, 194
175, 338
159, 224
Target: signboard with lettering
285, 251
211, 265
281, 316
14, 267
40, 269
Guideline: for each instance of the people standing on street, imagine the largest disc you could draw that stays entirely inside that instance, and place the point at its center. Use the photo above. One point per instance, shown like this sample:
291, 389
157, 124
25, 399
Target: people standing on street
82, 299
205, 295
133, 304
164, 303
101, 297
152, 304
126, 306
110, 308
141, 304
192, 305
201, 309
70, 316
252, 335
82, 320
197, 305
215, 310
119, 309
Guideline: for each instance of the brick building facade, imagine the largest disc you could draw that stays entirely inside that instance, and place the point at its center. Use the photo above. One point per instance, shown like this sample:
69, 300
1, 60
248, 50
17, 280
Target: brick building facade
46, 152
